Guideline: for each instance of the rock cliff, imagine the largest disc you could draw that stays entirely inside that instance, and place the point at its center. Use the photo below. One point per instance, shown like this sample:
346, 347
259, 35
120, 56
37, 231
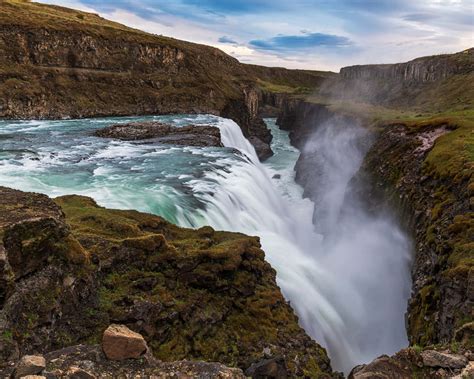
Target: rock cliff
425, 69
436, 83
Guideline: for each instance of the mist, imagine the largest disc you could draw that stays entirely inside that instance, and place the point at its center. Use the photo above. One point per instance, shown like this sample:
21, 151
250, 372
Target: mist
366, 253
345, 271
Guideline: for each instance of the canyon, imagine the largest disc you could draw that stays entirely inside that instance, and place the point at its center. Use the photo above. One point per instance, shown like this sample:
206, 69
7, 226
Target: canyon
202, 294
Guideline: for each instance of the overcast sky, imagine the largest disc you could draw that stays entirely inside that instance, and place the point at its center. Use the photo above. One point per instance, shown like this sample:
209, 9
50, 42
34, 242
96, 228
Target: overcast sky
313, 34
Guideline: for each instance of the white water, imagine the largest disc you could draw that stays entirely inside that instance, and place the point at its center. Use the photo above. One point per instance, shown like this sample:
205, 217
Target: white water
350, 288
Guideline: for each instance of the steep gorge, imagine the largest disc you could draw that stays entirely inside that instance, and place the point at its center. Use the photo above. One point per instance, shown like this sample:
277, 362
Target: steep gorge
437, 213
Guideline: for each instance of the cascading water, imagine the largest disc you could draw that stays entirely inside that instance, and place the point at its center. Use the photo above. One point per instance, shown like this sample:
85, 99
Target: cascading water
348, 282
350, 288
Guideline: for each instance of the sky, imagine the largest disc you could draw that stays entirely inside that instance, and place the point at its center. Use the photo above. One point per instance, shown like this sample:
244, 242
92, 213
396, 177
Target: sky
307, 34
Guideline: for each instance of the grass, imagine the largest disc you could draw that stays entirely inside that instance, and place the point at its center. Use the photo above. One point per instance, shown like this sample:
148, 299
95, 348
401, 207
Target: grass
283, 89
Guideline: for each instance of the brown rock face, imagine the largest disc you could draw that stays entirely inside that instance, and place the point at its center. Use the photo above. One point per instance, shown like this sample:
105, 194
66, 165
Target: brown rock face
30, 365
188, 135
121, 343
382, 367
432, 358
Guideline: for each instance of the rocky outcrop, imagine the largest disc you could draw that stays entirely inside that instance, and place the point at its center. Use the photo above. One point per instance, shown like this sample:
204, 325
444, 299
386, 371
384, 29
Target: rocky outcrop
192, 294
426, 69
409, 363
187, 135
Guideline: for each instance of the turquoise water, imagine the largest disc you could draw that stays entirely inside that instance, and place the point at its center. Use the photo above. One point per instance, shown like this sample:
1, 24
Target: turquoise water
63, 157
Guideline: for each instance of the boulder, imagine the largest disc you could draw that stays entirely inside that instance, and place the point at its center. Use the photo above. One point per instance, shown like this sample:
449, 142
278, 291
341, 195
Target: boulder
381, 367
467, 372
432, 358
119, 342
274, 368
75, 372
30, 365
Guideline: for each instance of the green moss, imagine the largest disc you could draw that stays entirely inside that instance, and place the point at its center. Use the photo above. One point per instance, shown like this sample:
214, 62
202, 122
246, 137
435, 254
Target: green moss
421, 329
210, 294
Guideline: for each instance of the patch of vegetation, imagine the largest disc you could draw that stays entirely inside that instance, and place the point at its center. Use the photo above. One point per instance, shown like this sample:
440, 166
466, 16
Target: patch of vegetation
199, 294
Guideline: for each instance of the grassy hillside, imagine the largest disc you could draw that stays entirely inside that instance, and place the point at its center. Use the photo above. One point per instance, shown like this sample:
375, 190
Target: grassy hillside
101, 67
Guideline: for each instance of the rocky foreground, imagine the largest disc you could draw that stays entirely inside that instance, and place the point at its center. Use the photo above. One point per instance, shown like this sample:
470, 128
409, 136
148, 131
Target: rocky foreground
69, 269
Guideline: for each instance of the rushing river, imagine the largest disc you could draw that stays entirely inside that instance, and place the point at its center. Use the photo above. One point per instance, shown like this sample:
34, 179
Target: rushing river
349, 287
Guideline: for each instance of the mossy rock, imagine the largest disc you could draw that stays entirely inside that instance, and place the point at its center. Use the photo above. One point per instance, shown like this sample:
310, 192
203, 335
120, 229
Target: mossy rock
193, 294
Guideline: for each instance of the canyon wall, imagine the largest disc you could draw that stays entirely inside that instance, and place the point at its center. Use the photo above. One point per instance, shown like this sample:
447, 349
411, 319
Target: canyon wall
425, 69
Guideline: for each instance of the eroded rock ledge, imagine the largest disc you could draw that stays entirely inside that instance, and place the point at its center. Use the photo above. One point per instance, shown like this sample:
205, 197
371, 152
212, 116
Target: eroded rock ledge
70, 268
188, 135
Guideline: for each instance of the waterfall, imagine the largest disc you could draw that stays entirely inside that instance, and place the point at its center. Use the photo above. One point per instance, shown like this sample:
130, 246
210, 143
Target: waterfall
345, 271
349, 287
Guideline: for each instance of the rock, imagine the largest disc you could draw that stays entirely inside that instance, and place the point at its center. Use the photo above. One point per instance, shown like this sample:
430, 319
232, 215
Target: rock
434, 358
33, 377
30, 365
382, 367
274, 368
75, 372
263, 149
120, 343
276, 176
33, 230
157, 132
467, 372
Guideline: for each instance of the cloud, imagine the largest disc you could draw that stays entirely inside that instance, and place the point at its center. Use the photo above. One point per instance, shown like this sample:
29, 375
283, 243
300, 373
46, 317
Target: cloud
225, 39
236, 6
419, 17
300, 42
279, 32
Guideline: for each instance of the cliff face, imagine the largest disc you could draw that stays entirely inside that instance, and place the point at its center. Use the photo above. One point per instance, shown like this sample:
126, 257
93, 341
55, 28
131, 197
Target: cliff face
402, 166
429, 84
426, 69
70, 268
